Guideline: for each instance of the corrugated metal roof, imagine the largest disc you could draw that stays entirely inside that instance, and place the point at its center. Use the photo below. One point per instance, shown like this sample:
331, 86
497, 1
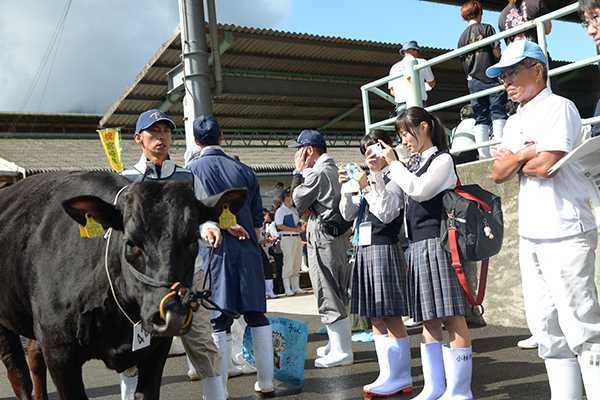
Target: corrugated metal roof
293, 81
42, 155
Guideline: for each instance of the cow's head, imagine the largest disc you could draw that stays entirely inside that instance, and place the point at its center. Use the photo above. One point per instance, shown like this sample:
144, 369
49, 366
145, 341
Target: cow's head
158, 222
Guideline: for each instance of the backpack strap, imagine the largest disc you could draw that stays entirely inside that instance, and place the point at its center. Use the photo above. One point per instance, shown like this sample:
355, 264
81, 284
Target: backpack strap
461, 274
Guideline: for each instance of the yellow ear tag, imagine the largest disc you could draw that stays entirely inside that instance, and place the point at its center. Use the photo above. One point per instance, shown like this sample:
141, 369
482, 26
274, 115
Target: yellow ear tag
92, 228
227, 219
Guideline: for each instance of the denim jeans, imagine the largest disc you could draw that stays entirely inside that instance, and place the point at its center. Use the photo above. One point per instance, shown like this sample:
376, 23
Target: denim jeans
494, 104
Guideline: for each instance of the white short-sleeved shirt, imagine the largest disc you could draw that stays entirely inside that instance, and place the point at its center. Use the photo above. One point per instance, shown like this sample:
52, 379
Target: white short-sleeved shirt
556, 207
401, 85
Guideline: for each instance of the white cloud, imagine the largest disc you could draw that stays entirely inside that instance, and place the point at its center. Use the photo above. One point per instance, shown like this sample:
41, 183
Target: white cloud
254, 14
105, 44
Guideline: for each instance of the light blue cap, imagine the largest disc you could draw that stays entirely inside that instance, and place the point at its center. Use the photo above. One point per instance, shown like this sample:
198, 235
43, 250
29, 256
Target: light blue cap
514, 54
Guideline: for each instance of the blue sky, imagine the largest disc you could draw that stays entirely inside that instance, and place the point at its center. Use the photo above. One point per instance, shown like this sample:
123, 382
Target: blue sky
106, 43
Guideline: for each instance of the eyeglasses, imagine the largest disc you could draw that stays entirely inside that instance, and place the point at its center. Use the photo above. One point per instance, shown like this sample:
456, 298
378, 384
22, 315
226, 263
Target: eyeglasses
592, 21
511, 75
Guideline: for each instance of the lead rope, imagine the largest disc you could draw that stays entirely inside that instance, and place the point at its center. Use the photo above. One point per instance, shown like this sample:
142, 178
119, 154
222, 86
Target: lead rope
112, 289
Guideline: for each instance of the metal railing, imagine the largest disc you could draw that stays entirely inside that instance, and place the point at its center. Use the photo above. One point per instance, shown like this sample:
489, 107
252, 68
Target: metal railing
414, 98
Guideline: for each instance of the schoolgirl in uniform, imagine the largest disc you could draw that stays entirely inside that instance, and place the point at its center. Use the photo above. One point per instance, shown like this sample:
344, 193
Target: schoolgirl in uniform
379, 278
435, 294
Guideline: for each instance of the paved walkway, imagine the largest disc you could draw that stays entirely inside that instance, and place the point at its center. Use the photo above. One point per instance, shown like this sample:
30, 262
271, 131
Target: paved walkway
500, 369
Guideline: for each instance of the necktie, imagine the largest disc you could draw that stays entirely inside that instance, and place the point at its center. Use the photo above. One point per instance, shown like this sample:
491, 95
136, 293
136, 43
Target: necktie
413, 163
359, 219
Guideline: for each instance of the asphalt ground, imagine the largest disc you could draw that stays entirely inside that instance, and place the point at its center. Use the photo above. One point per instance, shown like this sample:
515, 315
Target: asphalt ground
500, 369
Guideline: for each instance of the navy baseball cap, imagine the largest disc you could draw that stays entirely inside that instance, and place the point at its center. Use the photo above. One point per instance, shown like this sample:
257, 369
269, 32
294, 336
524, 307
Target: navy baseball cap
150, 117
309, 137
285, 194
514, 54
206, 129
410, 44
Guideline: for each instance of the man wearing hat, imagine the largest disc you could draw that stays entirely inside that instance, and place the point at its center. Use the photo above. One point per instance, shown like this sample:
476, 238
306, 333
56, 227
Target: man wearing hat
328, 240
399, 88
153, 132
236, 270
288, 225
558, 235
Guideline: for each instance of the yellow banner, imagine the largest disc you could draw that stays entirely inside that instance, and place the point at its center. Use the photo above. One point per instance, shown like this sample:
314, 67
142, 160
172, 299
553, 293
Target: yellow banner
111, 141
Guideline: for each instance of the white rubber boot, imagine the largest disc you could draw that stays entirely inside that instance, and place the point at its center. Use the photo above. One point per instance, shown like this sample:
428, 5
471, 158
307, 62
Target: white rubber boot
262, 341
232, 369
564, 376
458, 365
220, 339
482, 134
382, 360
213, 388
434, 376
589, 361
324, 350
269, 289
128, 386
399, 379
192, 370
498, 128
340, 353
295, 280
288, 287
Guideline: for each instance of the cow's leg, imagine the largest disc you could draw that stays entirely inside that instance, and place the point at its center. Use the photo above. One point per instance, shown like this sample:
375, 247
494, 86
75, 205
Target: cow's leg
13, 357
37, 365
65, 370
150, 372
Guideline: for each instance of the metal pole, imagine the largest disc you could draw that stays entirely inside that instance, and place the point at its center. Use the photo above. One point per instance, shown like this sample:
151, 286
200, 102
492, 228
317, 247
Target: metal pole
197, 81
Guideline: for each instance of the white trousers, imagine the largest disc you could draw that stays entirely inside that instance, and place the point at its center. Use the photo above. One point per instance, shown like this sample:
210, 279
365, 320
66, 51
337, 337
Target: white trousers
291, 247
561, 298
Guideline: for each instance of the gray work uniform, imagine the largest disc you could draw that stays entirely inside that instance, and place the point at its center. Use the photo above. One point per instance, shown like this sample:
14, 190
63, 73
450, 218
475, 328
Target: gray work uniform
320, 194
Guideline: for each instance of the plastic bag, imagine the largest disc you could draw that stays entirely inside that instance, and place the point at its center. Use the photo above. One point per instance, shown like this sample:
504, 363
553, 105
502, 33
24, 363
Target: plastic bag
289, 347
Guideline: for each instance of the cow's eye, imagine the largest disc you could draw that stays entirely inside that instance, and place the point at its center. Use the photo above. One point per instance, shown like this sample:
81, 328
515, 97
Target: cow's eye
130, 247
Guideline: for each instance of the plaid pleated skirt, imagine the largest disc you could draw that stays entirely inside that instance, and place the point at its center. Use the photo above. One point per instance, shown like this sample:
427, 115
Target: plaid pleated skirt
379, 282
433, 287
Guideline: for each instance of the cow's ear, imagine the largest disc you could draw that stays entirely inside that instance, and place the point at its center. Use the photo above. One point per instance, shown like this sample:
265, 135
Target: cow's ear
104, 213
234, 198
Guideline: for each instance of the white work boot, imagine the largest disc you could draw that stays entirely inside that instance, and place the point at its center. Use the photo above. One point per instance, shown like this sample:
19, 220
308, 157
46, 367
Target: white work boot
128, 386
398, 358
213, 388
458, 365
288, 287
220, 339
262, 341
232, 369
564, 377
340, 353
324, 350
384, 368
269, 289
295, 280
192, 370
589, 361
482, 134
432, 362
498, 128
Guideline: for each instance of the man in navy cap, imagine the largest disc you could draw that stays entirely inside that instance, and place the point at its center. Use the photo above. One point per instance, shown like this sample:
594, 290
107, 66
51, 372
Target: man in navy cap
328, 240
558, 234
399, 88
237, 278
153, 132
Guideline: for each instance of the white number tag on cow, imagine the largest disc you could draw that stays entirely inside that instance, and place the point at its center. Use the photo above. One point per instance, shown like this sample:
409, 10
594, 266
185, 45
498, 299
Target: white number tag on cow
141, 338
364, 234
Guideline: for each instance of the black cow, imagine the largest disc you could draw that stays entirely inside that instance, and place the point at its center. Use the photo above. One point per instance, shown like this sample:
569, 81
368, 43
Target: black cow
54, 282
